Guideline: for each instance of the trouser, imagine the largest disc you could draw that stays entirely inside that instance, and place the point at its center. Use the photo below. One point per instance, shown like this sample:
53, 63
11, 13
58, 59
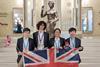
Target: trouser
20, 64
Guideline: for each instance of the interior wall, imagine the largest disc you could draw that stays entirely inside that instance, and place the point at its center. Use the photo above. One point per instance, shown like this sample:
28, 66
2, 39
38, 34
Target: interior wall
95, 4
6, 6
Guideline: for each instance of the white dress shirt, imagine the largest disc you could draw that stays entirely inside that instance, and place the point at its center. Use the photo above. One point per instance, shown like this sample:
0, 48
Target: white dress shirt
72, 42
57, 43
25, 44
40, 40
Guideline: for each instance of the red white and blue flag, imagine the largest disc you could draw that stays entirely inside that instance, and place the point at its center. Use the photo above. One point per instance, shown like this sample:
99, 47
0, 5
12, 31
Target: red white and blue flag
67, 55
51, 58
36, 57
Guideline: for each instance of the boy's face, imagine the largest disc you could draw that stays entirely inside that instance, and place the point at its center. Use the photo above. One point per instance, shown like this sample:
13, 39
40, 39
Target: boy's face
26, 34
72, 33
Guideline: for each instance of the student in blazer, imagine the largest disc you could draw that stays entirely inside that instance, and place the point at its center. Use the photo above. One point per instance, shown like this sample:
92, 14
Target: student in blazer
40, 37
73, 41
24, 43
57, 41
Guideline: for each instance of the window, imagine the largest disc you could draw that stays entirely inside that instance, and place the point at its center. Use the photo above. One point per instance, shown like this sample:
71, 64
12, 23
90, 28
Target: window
87, 19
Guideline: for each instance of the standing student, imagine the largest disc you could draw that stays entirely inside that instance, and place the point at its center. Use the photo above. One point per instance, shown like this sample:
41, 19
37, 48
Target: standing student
57, 41
73, 41
40, 37
24, 43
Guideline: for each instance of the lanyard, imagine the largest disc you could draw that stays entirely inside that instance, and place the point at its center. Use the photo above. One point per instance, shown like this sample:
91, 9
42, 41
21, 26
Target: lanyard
40, 38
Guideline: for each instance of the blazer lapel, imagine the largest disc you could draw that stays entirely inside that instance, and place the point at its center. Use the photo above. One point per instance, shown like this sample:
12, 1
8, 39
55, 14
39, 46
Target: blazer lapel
53, 40
69, 41
44, 37
29, 43
60, 42
37, 36
76, 42
22, 43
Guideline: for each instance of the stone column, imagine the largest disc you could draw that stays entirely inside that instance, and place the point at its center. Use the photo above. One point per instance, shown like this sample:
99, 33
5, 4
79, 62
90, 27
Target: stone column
28, 18
77, 14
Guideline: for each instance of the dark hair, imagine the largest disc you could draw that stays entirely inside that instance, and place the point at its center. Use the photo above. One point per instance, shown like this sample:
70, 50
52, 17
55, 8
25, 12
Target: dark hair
26, 29
40, 23
57, 29
72, 29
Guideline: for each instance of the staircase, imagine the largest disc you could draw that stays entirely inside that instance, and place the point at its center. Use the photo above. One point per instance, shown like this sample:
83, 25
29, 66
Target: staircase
8, 54
90, 56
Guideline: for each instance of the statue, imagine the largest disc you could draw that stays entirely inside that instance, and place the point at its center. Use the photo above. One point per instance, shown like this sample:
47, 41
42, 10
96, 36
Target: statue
52, 17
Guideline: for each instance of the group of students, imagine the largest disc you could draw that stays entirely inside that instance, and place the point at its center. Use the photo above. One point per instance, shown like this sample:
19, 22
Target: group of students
42, 41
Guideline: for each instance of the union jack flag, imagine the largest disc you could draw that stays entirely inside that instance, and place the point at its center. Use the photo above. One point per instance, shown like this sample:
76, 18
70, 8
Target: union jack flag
51, 58
36, 57
67, 55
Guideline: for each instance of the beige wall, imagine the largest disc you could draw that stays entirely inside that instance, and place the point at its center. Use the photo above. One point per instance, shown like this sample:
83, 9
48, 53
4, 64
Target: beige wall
6, 6
95, 4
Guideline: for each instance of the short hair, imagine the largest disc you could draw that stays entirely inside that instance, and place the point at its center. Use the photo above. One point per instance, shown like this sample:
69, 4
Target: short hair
57, 29
40, 23
72, 29
26, 29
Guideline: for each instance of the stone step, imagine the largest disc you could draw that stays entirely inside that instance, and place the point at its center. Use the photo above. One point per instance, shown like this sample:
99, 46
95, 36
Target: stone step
90, 40
91, 45
9, 59
8, 64
90, 59
90, 56
87, 50
89, 65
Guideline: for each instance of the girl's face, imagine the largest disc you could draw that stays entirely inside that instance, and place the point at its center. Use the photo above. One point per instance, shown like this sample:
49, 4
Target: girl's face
57, 33
41, 27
